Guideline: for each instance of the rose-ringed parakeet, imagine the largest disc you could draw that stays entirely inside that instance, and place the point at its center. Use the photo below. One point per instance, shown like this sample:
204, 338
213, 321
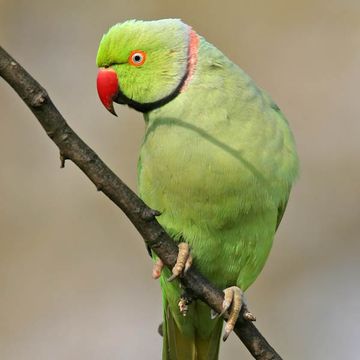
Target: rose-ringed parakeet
217, 161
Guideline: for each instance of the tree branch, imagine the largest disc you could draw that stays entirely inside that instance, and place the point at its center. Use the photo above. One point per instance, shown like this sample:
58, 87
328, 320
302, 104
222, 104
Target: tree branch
73, 148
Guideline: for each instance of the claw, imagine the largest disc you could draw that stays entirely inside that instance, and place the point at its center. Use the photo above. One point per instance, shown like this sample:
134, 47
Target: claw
188, 263
228, 298
213, 314
233, 301
183, 262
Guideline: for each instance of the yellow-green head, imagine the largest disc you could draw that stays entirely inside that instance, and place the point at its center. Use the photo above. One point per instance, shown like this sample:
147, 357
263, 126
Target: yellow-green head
143, 64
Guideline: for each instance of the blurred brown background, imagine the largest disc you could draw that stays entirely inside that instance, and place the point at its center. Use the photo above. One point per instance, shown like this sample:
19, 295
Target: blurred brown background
75, 278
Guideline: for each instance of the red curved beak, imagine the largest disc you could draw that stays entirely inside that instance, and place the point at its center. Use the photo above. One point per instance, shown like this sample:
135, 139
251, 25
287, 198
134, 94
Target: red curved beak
107, 87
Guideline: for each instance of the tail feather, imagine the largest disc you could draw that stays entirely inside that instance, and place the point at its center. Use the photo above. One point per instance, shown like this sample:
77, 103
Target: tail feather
190, 346
176, 346
208, 349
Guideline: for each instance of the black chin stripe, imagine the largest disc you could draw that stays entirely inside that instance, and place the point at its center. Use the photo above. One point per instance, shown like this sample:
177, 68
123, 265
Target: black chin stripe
121, 98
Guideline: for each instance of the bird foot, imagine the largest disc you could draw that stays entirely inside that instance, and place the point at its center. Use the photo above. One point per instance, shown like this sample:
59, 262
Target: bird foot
183, 262
233, 302
157, 268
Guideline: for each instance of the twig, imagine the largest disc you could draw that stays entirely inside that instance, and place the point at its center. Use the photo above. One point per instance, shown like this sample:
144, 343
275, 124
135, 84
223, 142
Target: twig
73, 148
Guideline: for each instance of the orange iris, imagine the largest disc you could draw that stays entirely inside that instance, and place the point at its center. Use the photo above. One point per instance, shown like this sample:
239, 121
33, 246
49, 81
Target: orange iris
137, 57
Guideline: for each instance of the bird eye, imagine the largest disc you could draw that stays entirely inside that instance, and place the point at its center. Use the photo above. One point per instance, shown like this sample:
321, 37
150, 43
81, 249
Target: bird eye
137, 57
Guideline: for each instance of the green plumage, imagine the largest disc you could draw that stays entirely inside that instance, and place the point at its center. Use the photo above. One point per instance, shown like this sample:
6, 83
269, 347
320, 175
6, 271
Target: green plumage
218, 161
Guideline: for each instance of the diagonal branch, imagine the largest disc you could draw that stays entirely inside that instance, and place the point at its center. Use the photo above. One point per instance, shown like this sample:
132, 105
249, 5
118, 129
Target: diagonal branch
73, 148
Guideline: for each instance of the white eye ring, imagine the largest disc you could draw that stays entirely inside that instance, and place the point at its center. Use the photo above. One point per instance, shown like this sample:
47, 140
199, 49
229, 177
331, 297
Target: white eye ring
137, 58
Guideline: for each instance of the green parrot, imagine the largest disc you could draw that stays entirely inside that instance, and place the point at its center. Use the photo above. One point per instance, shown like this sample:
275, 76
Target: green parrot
217, 161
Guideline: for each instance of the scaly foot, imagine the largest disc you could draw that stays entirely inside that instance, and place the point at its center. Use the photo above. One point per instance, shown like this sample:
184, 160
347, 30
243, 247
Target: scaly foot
183, 262
234, 301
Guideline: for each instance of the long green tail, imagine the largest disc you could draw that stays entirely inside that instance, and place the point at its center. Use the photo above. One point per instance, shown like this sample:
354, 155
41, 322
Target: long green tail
193, 337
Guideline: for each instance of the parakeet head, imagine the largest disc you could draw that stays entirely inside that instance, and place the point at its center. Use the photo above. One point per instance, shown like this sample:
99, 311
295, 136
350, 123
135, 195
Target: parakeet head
145, 64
